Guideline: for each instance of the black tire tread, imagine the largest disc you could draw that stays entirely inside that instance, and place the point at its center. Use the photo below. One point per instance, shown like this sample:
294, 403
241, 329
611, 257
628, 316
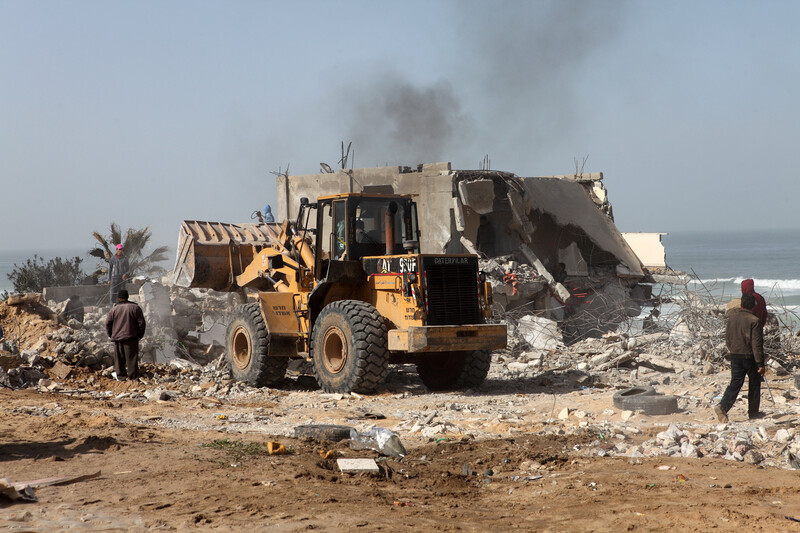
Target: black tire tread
369, 340
266, 371
621, 397
456, 370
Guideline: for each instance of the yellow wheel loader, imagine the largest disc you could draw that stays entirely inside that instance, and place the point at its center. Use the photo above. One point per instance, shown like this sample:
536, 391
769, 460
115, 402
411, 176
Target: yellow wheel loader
345, 287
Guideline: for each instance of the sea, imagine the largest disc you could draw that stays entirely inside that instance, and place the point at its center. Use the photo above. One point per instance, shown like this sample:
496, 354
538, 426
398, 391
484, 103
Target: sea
717, 262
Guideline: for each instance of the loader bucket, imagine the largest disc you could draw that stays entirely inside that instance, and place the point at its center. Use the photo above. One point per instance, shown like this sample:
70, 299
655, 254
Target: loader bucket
211, 254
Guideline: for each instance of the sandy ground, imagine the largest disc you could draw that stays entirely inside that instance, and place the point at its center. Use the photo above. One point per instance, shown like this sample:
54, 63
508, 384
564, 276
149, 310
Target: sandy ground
176, 466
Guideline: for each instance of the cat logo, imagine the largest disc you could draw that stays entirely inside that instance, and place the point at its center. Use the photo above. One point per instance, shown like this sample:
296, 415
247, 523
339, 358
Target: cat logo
385, 266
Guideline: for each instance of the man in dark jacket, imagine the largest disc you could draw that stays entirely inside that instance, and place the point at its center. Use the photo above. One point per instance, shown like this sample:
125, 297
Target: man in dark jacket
744, 338
125, 326
760, 310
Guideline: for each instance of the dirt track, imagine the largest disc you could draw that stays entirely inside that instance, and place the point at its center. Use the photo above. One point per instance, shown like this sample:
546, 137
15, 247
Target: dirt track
182, 475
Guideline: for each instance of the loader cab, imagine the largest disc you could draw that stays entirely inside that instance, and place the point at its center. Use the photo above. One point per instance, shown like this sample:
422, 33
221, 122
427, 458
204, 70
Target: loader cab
352, 226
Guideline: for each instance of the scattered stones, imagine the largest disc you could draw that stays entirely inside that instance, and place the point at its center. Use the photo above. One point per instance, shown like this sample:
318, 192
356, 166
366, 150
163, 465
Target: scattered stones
782, 436
695, 372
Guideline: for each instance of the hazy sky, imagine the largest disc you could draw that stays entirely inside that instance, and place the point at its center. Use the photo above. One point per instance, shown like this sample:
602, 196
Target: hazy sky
148, 113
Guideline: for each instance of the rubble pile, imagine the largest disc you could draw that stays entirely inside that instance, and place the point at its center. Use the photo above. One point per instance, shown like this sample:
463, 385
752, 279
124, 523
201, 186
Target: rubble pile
24, 321
751, 444
184, 323
594, 304
682, 336
681, 349
184, 326
514, 283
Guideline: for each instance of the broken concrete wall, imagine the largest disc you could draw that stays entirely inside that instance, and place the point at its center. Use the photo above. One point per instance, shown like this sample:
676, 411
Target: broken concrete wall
549, 214
450, 202
592, 183
539, 221
495, 202
648, 248
89, 294
432, 183
573, 260
478, 195
563, 207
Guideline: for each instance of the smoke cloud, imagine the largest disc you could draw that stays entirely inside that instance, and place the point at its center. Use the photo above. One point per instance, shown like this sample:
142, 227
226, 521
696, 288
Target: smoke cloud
393, 121
519, 66
531, 60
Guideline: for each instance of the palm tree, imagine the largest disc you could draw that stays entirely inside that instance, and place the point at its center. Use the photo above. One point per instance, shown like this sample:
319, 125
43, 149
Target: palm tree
134, 243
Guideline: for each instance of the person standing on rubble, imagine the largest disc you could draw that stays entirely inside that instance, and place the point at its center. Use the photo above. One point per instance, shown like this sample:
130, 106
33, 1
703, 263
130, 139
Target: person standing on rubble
484, 242
744, 337
760, 310
125, 326
118, 269
268, 216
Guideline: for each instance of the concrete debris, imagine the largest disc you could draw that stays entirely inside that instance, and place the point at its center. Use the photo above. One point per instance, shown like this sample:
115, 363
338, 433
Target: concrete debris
186, 329
24, 490
540, 333
782, 436
60, 370
555, 234
630, 355
19, 299
5, 381
592, 328
323, 432
478, 195
10, 492
693, 441
357, 466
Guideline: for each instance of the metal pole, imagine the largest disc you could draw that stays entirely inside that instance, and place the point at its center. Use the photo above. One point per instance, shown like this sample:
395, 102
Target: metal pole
769, 389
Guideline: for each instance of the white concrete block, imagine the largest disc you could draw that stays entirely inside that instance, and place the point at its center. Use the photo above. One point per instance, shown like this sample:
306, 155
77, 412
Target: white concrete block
357, 466
478, 195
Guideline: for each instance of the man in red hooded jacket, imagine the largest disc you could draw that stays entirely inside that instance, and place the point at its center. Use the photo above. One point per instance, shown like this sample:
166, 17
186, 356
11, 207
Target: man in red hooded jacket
760, 310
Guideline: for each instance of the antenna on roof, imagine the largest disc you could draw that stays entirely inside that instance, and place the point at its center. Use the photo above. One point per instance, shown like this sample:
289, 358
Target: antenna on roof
485, 164
325, 168
279, 173
345, 155
579, 173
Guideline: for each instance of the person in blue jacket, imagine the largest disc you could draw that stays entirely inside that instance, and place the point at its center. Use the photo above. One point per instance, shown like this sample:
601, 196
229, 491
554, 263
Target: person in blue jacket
268, 214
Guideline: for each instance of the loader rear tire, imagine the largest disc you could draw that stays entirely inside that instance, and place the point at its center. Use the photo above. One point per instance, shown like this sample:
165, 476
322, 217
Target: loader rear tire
454, 370
348, 347
248, 349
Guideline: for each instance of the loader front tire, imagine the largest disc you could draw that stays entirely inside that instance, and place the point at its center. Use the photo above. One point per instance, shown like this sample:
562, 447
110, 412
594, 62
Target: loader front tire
454, 370
248, 349
348, 347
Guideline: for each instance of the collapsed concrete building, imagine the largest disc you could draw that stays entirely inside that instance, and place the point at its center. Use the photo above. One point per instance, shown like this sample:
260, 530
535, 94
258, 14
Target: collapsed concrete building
537, 222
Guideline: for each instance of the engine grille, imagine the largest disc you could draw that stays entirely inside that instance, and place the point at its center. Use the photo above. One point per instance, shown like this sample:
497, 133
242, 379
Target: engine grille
452, 291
